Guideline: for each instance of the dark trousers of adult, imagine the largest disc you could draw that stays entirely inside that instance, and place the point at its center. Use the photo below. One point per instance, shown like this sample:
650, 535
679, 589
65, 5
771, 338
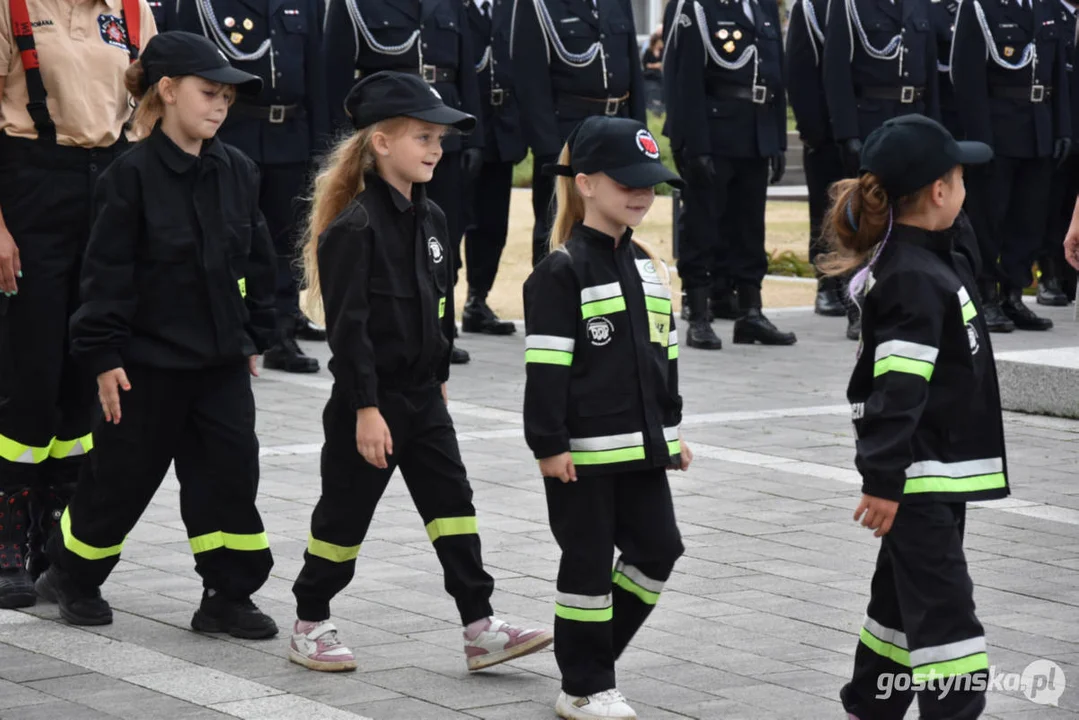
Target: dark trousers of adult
823, 166
489, 224
46, 402
447, 190
597, 611
920, 624
281, 199
724, 240
1007, 202
425, 448
203, 420
1062, 196
543, 208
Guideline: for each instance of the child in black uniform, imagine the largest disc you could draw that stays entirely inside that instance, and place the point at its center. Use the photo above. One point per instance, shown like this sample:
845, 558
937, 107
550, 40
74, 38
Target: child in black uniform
177, 291
602, 407
379, 256
927, 416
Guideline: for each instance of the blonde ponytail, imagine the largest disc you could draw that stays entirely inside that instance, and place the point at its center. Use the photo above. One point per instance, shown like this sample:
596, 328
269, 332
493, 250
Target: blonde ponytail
569, 204
150, 108
856, 221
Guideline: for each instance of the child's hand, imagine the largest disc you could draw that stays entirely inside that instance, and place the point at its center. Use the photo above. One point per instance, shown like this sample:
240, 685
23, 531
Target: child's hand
559, 466
108, 392
253, 365
879, 514
373, 438
685, 454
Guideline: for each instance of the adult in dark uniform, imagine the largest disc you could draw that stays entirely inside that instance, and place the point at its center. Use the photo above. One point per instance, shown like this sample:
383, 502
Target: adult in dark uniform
571, 59
821, 157
942, 17
490, 22
282, 129
1008, 68
729, 117
429, 38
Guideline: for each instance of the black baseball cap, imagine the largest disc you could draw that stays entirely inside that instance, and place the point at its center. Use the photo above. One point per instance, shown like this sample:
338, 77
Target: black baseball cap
911, 151
177, 53
389, 94
619, 147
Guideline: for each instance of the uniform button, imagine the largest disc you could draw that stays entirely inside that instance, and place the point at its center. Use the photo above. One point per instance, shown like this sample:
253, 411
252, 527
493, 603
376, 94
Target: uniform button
906, 74
425, 44
602, 36
278, 73
273, 32
93, 167
385, 22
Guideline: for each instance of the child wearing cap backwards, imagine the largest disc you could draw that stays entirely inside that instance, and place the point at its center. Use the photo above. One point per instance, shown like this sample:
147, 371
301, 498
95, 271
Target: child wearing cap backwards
602, 407
377, 253
927, 417
177, 291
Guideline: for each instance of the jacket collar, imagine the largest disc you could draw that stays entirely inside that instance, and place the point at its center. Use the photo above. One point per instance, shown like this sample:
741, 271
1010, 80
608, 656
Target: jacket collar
418, 202
939, 241
601, 239
179, 161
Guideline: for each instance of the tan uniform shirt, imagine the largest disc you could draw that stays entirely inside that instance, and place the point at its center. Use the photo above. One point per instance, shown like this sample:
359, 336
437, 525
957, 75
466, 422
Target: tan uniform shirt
83, 55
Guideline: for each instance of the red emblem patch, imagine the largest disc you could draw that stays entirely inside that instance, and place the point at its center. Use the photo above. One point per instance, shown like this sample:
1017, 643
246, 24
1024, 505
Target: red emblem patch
112, 31
647, 144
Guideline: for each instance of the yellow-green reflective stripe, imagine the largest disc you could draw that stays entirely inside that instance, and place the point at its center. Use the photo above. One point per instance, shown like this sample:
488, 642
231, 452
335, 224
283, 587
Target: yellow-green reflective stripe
658, 305
893, 653
331, 552
947, 484
14, 451
78, 547
549, 357
230, 541
242, 282
674, 447
67, 448
441, 307
969, 311
962, 666
672, 352
441, 527
894, 363
602, 457
603, 307
582, 615
646, 596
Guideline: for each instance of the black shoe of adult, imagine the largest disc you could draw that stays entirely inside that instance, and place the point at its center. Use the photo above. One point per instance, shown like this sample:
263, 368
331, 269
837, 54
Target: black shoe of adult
828, 302
459, 356
995, 319
478, 317
238, 618
754, 327
78, 605
16, 589
724, 304
306, 329
700, 334
289, 357
854, 327
1049, 292
1020, 313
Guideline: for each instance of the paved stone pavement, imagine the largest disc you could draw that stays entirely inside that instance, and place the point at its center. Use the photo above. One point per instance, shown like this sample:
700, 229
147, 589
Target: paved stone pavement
759, 620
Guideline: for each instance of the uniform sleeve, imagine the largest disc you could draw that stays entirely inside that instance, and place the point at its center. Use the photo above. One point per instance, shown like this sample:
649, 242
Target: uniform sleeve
318, 120
552, 306
905, 324
531, 70
447, 313
468, 83
803, 77
344, 259
148, 23
260, 283
636, 73
339, 53
932, 79
780, 103
969, 75
674, 413
686, 59
838, 80
1061, 92
101, 327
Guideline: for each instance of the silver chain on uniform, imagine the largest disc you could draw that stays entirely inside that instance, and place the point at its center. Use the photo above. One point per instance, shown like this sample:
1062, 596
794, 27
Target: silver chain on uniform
1030, 52
360, 26
212, 30
550, 35
482, 64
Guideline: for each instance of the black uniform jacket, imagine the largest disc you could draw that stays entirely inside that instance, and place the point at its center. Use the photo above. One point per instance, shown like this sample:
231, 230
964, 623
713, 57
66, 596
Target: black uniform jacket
365, 36
705, 117
1016, 125
179, 271
805, 62
386, 273
1068, 29
292, 71
550, 41
503, 138
601, 358
942, 15
857, 71
924, 392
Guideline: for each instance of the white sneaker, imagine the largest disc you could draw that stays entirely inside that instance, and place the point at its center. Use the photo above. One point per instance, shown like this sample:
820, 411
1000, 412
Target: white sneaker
491, 641
315, 646
606, 704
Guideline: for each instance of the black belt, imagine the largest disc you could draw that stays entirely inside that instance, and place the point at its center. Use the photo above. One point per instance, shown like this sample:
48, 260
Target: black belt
499, 96
591, 106
1031, 93
759, 94
275, 114
429, 73
905, 94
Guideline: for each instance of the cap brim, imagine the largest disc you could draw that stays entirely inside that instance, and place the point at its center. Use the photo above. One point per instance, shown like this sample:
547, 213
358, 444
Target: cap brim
974, 153
443, 115
245, 83
646, 174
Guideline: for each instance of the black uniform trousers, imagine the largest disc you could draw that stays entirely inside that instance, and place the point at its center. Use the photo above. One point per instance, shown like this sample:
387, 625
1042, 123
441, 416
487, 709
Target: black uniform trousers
489, 224
543, 208
447, 190
281, 199
597, 611
425, 448
203, 420
823, 166
1062, 195
1008, 202
921, 613
46, 402
724, 240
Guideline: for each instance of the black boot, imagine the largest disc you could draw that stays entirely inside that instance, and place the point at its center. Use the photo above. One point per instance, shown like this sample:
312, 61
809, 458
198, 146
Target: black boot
46, 507
1020, 313
78, 605
238, 618
478, 317
700, 334
286, 354
16, 587
724, 302
306, 329
753, 326
1049, 292
995, 319
828, 302
685, 307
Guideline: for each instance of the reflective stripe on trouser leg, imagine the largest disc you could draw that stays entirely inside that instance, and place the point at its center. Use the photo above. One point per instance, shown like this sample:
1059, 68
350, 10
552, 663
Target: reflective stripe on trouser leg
635, 582
82, 549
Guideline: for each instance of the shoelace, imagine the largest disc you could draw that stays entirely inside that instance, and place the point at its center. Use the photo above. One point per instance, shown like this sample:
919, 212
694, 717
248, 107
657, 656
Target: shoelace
610, 696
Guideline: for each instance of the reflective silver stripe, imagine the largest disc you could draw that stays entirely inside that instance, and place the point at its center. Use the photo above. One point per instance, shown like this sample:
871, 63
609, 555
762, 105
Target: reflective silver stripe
944, 653
967, 468
892, 637
902, 348
670, 433
606, 442
656, 290
549, 342
964, 296
600, 292
639, 577
584, 602
672, 339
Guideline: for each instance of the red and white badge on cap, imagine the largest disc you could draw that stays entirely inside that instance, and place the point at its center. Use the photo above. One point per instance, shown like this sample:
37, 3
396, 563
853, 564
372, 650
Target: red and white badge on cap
647, 144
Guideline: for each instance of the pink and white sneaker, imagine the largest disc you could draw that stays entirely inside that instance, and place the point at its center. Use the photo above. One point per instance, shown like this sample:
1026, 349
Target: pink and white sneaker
491, 641
315, 645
